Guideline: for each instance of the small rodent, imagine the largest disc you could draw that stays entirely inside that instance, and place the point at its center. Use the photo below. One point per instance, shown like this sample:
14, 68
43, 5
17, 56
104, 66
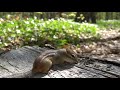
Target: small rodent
43, 63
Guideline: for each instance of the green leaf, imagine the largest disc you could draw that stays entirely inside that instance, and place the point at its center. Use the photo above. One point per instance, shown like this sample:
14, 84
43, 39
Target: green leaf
13, 35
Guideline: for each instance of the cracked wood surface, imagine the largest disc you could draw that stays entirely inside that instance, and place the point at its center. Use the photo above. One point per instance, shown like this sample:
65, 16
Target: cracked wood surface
18, 63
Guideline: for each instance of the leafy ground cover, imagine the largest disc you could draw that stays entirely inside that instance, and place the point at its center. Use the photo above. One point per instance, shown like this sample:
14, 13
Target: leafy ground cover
38, 32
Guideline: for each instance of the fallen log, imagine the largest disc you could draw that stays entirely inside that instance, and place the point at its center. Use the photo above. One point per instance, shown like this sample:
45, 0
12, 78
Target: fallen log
18, 64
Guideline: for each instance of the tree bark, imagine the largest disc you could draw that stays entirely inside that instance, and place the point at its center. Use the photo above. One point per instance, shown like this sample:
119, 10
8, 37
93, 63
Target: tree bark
76, 17
93, 17
88, 16
107, 16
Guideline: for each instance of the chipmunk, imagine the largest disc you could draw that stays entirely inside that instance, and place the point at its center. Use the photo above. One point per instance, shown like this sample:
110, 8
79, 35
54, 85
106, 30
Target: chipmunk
44, 62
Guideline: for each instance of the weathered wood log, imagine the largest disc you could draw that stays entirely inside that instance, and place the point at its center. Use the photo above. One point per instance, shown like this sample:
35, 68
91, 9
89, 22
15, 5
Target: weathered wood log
18, 64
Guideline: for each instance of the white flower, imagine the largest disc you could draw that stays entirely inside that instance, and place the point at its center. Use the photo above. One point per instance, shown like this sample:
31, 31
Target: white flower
18, 31
27, 22
9, 30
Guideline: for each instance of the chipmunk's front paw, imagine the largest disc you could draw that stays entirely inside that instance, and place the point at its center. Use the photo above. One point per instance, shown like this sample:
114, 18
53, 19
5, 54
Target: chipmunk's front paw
50, 71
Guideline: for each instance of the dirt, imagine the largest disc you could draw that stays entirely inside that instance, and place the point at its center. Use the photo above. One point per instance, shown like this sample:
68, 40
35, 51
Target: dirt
108, 46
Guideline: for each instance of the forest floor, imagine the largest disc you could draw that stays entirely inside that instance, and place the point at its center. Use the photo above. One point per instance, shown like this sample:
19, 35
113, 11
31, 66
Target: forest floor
21, 60
107, 46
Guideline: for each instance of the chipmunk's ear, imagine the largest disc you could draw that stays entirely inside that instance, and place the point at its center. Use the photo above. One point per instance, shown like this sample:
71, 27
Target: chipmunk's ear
71, 49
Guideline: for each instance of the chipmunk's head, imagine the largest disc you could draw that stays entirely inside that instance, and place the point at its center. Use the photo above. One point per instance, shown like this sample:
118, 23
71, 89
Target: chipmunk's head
72, 54
36, 68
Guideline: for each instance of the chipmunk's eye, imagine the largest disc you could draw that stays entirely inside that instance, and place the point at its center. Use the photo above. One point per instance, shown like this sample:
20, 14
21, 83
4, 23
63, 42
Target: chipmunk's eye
73, 55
